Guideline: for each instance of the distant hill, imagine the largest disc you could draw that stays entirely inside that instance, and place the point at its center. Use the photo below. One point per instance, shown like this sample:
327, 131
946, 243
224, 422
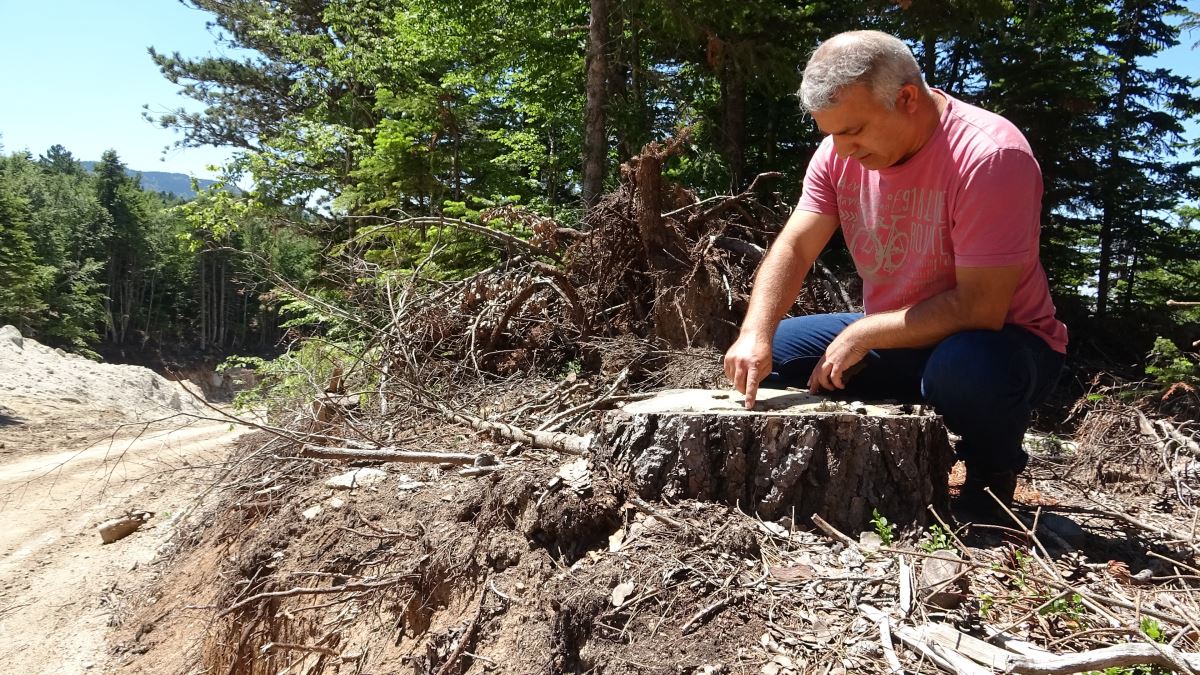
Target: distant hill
178, 184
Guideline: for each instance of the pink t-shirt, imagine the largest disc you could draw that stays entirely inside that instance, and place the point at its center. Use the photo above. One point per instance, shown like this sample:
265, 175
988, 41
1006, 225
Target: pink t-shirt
970, 197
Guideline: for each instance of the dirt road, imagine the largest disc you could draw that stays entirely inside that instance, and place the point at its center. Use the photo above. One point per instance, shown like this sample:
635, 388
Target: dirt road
62, 472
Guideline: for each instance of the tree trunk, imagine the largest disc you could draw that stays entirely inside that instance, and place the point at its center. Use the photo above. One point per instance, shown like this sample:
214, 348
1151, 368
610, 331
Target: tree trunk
203, 304
733, 93
1104, 268
222, 321
1112, 203
595, 143
929, 54
794, 455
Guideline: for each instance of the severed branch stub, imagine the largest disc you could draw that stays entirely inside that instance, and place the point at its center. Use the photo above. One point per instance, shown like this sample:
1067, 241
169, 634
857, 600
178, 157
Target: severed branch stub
795, 453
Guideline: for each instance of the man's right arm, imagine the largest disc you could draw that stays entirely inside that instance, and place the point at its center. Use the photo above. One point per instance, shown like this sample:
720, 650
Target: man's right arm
779, 280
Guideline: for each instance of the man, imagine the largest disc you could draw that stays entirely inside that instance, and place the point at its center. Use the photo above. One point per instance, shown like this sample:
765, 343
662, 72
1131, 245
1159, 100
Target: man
939, 203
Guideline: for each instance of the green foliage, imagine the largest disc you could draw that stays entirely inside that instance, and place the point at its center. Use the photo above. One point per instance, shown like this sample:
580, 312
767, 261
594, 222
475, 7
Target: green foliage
86, 257
883, 528
1022, 560
22, 279
1151, 629
938, 539
1167, 365
986, 602
293, 379
1069, 607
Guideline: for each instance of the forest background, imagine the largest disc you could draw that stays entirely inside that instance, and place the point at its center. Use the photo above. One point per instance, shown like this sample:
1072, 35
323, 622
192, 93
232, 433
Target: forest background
348, 114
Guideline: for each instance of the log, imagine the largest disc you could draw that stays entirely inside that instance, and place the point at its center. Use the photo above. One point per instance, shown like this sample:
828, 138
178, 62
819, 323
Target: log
794, 455
119, 528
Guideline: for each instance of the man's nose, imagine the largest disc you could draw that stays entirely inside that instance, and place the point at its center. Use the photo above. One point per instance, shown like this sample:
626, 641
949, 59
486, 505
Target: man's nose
843, 147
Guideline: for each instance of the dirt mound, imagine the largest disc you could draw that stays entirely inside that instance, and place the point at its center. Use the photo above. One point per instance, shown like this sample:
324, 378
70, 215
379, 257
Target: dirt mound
33, 374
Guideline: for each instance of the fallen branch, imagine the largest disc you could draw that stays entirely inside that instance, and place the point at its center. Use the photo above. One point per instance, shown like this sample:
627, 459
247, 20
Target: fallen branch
387, 455
885, 637
1117, 656
658, 515
566, 443
704, 614
948, 660
553, 423
1086, 596
468, 634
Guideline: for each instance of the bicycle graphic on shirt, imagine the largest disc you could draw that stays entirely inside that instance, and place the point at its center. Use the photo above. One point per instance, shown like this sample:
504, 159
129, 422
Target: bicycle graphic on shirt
888, 255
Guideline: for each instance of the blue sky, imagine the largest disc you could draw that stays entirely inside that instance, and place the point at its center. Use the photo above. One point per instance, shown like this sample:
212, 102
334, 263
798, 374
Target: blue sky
76, 72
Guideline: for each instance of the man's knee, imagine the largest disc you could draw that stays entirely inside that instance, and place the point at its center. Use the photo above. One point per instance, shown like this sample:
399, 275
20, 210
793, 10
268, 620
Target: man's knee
807, 337
978, 368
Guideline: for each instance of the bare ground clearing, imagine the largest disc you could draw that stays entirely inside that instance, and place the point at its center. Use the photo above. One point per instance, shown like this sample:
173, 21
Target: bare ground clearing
64, 469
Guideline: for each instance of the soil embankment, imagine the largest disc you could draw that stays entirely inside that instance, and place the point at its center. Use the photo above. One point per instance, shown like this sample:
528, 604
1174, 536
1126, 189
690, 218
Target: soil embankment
78, 445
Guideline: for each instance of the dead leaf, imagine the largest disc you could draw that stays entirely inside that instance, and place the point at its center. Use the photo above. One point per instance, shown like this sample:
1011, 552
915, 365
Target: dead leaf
615, 540
797, 572
622, 592
577, 475
773, 529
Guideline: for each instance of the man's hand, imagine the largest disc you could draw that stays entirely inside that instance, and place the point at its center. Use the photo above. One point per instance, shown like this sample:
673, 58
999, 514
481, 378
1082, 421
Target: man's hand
747, 363
833, 369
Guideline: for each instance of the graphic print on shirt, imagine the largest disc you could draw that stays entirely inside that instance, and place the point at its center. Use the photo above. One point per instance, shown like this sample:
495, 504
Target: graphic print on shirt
904, 236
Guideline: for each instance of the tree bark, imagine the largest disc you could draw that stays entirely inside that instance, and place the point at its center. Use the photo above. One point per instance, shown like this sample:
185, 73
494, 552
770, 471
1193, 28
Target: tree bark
794, 455
595, 144
733, 94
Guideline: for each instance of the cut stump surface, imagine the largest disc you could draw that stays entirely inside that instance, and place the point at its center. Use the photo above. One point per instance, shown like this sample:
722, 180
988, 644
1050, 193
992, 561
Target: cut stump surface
794, 454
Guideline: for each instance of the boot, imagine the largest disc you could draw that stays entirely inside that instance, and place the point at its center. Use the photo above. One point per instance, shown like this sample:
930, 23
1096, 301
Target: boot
976, 506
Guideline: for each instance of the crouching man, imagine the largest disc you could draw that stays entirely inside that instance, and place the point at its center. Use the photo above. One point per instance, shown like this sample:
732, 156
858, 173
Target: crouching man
940, 204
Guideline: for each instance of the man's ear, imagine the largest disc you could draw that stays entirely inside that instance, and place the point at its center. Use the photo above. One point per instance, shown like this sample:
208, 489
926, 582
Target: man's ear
906, 99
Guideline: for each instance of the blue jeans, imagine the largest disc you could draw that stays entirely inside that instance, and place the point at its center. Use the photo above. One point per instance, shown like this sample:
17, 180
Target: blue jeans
984, 383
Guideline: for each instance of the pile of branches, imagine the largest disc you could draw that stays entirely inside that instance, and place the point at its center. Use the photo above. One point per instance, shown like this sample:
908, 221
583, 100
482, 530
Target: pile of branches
647, 292
1125, 443
650, 263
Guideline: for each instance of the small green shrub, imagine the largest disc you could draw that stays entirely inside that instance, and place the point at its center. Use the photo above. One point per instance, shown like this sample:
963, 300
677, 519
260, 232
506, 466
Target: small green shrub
1167, 366
883, 528
938, 539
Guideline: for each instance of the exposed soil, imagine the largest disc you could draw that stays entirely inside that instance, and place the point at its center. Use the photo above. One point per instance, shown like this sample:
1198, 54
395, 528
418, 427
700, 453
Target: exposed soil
514, 572
64, 469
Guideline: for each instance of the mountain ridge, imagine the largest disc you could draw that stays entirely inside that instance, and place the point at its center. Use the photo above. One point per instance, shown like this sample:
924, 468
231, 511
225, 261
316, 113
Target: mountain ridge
178, 184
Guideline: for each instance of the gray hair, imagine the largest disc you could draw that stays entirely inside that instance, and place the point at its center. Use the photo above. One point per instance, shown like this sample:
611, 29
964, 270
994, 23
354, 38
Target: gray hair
877, 60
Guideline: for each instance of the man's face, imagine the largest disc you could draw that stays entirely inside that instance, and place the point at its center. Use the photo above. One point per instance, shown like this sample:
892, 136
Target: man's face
865, 129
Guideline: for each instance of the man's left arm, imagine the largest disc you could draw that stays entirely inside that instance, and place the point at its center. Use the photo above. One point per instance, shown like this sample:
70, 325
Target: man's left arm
979, 301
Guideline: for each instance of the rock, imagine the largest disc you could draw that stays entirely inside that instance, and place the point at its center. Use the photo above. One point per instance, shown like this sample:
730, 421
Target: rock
356, 479
12, 335
312, 512
941, 581
622, 592
1067, 529
407, 483
336, 503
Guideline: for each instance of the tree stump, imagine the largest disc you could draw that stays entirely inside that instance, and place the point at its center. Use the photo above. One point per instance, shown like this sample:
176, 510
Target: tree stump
794, 455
